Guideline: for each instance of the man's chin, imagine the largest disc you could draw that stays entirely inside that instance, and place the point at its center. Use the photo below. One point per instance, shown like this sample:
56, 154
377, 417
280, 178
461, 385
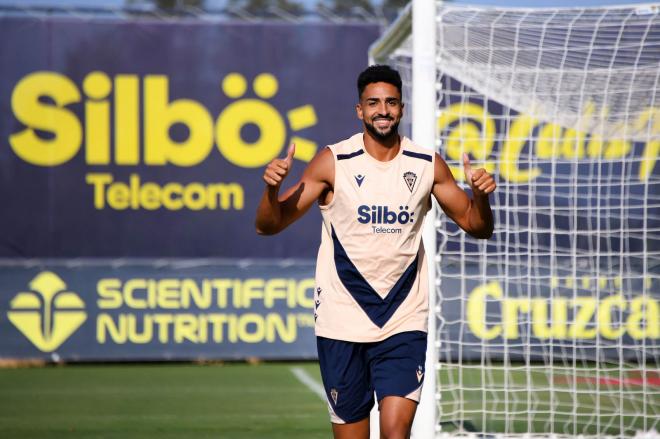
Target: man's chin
385, 135
382, 135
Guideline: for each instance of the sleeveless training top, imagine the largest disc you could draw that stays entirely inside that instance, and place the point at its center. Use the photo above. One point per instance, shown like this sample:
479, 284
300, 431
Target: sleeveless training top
371, 272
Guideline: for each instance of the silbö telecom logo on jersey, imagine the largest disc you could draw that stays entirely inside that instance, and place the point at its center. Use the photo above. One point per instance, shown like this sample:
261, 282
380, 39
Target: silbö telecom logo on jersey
381, 216
48, 314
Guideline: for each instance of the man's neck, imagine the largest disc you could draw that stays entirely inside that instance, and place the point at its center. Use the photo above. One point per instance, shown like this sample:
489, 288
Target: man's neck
383, 150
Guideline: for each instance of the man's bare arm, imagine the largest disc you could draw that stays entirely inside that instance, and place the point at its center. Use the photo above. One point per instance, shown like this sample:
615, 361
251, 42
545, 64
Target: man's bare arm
472, 215
275, 211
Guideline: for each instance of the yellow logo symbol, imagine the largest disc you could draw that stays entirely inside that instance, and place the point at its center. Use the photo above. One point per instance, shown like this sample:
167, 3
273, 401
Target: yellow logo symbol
268, 120
48, 314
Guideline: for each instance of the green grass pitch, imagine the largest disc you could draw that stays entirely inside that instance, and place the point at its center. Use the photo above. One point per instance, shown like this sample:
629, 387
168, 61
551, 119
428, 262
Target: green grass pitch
233, 401
240, 401
538, 399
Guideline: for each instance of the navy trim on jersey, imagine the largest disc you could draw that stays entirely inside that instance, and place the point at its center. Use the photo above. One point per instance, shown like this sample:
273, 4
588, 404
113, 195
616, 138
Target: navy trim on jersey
378, 310
418, 155
351, 155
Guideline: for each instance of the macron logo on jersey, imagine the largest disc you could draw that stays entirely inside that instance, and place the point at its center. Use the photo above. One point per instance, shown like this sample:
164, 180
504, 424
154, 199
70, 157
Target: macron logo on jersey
359, 179
384, 215
420, 373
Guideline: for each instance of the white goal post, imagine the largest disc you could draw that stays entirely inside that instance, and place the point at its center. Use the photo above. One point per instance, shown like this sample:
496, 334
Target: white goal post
552, 327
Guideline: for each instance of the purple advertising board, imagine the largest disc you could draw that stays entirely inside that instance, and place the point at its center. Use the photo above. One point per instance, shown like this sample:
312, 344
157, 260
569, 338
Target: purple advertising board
148, 138
131, 157
537, 289
131, 166
100, 310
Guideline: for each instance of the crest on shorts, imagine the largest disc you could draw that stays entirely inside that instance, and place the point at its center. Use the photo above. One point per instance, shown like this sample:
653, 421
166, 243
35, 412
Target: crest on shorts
410, 178
420, 374
334, 394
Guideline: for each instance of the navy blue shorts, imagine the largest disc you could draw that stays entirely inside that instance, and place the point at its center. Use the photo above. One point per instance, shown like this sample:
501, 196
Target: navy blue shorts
352, 371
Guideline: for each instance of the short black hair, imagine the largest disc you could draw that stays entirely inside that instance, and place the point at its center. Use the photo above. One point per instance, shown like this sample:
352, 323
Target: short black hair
378, 73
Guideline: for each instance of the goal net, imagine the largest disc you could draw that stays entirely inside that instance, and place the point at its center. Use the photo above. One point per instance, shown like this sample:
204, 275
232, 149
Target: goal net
552, 327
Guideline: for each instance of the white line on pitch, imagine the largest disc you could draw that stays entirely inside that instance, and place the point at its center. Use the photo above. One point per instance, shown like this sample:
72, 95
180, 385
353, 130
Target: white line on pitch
310, 382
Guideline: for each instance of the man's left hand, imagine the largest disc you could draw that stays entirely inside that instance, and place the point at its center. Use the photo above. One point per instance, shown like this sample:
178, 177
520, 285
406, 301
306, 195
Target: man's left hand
481, 182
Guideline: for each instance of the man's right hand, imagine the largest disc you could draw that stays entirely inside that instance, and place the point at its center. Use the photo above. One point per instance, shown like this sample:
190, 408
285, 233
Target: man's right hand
278, 169
276, 211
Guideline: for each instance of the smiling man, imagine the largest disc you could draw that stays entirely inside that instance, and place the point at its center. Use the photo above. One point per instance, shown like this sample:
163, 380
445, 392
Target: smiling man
372, 287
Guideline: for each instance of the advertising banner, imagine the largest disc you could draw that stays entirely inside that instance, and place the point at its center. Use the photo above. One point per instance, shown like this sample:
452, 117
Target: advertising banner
132, 154
145, 138
170, 311
231, 310
572, 272
566, 317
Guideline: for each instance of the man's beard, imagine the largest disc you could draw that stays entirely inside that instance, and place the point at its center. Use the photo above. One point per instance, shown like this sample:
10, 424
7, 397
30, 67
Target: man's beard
393, 131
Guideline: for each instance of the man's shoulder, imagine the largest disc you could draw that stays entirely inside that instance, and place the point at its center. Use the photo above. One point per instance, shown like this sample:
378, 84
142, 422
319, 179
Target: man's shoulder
416, 150
347, 146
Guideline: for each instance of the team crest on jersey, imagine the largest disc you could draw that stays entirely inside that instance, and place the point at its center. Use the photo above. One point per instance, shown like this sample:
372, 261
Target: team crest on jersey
410, 178
334, 394
359, 179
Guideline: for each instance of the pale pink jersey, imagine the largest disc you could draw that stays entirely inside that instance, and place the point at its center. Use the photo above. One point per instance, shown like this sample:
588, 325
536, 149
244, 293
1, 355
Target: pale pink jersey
371, 272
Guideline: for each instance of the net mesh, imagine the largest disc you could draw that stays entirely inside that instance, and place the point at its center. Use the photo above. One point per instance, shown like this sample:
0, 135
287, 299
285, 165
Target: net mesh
551, 327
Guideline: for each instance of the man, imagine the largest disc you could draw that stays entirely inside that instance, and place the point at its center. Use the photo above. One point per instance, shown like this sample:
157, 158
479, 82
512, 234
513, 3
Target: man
371, 297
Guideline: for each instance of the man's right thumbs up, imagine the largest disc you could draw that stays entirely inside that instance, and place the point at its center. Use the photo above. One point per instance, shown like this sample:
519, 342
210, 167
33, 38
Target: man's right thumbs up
289, 154
278, 169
